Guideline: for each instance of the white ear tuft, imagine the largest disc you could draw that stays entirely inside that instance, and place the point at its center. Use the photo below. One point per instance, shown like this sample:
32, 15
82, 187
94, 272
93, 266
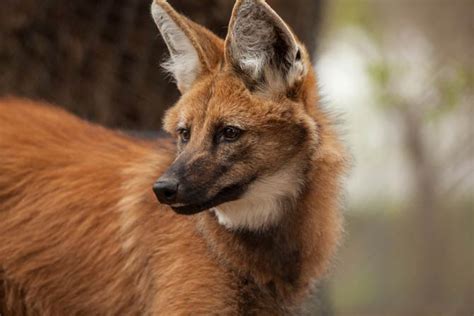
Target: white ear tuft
184, 63
262, 46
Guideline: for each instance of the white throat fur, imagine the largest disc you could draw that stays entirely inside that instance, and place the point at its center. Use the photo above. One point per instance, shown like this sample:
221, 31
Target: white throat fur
263, 205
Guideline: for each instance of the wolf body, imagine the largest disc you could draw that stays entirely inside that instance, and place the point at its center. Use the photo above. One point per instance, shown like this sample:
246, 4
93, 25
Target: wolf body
254, 162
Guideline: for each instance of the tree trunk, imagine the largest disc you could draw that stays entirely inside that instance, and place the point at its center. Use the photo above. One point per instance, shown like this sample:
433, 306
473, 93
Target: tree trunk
100, 59
428, 241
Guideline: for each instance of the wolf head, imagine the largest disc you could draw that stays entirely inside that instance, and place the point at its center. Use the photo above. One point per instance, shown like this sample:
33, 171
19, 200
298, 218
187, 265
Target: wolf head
247, 126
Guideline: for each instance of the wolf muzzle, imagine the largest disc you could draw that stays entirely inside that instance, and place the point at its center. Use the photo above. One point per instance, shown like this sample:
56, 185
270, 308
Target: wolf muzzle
186, 200
166, 191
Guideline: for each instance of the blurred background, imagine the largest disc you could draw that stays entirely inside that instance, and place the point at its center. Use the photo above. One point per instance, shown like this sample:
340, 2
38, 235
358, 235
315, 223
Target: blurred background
401, 73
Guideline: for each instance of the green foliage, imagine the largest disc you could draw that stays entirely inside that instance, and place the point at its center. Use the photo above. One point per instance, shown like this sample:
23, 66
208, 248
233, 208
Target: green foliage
452, 89
381, 74
355, 13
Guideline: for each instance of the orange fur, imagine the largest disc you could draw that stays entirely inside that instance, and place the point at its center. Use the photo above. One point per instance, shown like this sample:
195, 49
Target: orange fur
82, 233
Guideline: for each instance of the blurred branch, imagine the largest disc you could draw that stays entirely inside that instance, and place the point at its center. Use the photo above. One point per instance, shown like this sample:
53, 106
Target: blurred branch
456, 184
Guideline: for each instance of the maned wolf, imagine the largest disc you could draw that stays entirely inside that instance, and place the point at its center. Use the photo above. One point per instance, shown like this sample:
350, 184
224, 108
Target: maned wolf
256, 162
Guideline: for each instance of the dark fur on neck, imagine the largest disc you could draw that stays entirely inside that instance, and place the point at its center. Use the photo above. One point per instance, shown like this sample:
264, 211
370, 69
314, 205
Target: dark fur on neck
280, 264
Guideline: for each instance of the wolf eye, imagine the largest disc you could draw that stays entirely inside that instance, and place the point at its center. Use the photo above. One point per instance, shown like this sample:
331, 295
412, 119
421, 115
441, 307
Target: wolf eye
231, 133
184, 134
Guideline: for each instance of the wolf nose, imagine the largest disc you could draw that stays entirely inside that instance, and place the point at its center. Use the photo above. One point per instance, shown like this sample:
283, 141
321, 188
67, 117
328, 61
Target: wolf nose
166, 190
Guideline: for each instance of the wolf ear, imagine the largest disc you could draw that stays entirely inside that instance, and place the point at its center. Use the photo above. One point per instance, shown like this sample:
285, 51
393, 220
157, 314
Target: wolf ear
262, 48
194, 50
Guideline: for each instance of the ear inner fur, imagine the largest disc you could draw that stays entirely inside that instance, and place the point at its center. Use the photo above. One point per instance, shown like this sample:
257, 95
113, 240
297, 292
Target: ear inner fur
206, 45
183, 24
263, 49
